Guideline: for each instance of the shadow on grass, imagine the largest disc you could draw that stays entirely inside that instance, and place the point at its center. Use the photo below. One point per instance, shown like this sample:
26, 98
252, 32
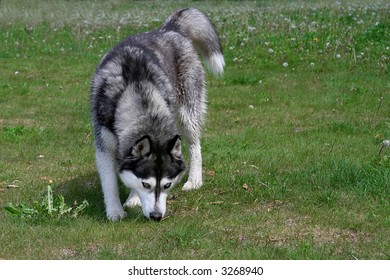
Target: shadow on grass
88, 188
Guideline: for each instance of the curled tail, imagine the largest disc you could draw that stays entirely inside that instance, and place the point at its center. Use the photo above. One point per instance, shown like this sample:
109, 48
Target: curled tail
194, 24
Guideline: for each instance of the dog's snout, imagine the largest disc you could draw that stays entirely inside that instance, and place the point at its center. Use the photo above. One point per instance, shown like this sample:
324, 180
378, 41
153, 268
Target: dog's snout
155, 216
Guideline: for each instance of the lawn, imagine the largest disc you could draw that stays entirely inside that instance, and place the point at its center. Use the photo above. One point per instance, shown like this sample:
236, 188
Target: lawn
291, 148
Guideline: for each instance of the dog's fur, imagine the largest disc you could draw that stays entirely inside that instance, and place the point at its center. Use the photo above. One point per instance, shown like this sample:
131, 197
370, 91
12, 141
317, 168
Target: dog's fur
145, 91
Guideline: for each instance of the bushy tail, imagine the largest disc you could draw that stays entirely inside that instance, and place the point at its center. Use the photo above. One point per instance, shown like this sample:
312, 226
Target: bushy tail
194, 24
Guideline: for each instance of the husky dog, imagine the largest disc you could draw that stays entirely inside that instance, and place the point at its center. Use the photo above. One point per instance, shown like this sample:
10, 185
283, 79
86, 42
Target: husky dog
147, 91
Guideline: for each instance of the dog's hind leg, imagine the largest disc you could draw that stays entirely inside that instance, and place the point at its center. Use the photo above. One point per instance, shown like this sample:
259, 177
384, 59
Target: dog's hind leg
195, 174
191, 121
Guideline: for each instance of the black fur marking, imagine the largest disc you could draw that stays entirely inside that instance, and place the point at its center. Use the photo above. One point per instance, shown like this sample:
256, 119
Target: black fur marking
158, 164
105, 106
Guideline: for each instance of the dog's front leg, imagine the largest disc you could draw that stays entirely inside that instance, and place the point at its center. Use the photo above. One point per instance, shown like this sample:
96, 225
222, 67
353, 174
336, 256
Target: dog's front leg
107, 170
132, 201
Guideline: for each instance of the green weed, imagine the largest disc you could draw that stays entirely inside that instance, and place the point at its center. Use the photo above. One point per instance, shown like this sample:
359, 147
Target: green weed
51, 206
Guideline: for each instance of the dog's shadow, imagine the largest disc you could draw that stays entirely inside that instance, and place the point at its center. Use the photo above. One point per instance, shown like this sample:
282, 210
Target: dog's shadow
88, 188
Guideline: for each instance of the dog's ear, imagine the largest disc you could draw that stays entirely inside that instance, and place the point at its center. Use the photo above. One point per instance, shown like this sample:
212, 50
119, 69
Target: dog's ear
141, 148
174, 147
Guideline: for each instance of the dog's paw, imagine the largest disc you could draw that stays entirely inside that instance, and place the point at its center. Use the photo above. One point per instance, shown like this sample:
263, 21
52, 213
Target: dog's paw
132, 201
116, 215
188, 186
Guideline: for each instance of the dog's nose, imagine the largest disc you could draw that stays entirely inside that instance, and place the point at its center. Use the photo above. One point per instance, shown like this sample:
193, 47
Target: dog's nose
155, 216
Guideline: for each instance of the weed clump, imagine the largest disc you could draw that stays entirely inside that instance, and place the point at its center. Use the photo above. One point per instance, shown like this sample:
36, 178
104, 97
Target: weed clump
51, 206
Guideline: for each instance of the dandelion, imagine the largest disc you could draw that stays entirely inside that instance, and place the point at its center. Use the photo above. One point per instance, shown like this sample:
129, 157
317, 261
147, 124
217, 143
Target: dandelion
251, 28
385, 144
270, 50
285, 64
338, 56
312, 64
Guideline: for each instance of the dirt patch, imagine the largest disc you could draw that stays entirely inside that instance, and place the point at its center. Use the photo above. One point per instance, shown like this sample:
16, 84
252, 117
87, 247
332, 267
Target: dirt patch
16, 122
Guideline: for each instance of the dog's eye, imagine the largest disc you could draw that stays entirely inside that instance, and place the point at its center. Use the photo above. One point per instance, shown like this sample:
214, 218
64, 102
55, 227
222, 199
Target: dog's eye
146, 185
167, 186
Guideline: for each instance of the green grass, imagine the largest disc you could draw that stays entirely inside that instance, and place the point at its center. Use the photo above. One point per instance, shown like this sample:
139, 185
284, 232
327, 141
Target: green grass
290, 147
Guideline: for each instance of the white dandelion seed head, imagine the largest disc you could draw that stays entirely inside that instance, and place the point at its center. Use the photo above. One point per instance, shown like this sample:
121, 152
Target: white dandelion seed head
251, 28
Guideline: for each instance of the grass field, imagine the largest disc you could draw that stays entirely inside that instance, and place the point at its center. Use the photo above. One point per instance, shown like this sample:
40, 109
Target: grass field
291, 146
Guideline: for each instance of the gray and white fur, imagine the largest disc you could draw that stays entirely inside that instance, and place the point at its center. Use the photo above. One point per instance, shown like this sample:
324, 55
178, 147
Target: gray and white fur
147, 91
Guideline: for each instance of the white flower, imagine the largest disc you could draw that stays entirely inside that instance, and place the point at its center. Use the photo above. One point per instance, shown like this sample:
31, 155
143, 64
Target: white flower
285, 64
270, 50
338, 56
385, 144
251, 28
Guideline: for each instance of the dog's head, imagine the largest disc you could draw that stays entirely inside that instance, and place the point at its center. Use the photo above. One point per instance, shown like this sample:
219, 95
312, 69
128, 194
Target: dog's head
152, 169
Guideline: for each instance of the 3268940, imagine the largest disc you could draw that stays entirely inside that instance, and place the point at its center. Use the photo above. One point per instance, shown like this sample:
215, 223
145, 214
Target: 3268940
235, 271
